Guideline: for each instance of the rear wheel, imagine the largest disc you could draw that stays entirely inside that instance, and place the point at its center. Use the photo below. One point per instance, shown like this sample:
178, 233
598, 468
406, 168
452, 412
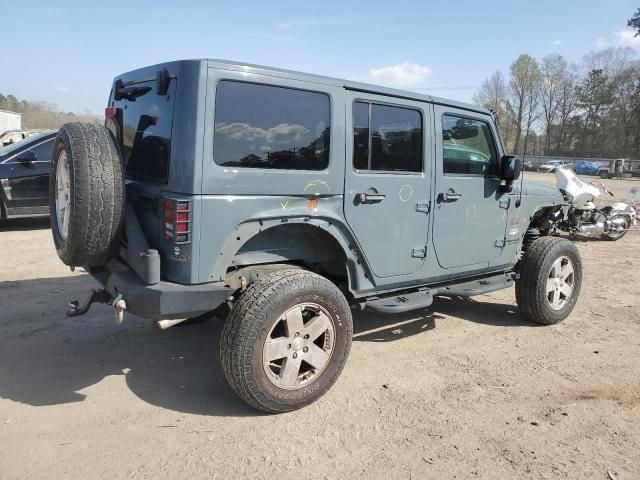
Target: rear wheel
604, 175
550, 280
86, 194
286, 340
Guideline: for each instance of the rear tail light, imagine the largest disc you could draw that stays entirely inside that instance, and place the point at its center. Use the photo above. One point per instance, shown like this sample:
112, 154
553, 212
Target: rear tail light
110, 112
176, 216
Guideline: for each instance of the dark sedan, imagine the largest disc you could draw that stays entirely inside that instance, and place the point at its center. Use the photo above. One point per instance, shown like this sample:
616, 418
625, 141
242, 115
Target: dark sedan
24, 176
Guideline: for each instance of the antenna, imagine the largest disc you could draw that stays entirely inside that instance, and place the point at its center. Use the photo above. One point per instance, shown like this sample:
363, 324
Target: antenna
524, 155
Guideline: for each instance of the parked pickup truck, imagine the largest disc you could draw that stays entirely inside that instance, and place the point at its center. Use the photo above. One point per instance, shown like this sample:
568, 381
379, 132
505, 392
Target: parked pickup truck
289, 199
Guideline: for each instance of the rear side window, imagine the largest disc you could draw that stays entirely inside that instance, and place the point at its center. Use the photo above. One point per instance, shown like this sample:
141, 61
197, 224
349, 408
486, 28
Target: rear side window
468, 147
261, 126
386, 138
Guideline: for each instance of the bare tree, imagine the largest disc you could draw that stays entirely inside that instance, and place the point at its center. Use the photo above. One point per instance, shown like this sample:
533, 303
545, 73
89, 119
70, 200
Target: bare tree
492, 92
590, 110
553, 74
493, 95
566, 106
634, 22
612, 61
595, 95
42, 114
522, 100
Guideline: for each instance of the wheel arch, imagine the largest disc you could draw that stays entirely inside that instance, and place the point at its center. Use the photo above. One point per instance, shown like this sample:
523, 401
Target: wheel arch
540, 222
321, 245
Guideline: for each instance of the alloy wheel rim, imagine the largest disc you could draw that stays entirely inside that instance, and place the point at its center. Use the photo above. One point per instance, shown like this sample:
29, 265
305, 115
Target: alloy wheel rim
299, 346
63, 194
560, 283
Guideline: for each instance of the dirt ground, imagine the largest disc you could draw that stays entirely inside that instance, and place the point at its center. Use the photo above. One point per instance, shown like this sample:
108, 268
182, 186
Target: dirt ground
465, 390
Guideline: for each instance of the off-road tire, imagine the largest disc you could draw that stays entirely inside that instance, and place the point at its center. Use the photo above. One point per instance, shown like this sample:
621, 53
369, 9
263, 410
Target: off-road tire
534, 268
247, 327
97, 200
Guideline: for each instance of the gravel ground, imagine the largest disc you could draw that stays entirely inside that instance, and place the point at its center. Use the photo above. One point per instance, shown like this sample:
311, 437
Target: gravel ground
467, 389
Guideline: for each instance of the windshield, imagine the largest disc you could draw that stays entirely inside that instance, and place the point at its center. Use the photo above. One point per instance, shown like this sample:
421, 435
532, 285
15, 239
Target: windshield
7, 149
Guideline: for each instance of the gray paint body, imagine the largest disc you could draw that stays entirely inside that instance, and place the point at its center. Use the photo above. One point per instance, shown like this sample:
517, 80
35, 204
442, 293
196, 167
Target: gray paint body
245, 216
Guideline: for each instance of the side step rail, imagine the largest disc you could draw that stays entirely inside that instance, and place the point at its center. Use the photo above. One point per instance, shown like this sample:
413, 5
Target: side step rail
423, 297
399, 303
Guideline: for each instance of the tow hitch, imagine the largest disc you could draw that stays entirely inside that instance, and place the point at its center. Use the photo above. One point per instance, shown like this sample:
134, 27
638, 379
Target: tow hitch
98, 296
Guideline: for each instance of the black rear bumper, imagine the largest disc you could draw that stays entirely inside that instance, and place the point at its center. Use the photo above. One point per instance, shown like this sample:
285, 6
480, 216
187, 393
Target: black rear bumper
163, 300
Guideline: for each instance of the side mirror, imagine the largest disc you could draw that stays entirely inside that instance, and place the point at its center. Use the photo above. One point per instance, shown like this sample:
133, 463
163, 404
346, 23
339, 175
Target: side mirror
510, 169
27, 158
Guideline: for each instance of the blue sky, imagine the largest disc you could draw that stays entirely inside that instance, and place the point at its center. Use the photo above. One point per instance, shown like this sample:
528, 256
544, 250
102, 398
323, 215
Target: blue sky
67, 53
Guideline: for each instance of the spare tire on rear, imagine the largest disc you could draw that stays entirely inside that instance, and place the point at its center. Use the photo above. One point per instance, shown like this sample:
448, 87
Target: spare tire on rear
86, 194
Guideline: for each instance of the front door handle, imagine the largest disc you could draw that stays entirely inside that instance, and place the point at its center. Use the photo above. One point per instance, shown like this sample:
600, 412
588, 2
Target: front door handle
370, 197
450, 196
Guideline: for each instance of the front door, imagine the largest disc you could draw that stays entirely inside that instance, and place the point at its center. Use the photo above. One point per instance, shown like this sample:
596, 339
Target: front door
386, 188
470, 214
30, 176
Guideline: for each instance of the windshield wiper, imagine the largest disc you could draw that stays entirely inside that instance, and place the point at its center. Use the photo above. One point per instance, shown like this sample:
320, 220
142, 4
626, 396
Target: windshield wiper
129, 93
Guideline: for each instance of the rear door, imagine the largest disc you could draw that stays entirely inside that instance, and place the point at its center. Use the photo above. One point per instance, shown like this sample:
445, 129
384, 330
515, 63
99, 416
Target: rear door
30, 176
386, 188
470, 215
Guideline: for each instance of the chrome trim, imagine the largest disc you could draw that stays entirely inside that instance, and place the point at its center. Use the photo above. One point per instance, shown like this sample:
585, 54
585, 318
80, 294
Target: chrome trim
6, 187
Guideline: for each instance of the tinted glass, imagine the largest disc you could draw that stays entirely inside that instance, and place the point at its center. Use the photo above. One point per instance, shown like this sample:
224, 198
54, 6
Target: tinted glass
468, 146
15, 146
43, 151
395, 137
260, 126
147, 119
361, 136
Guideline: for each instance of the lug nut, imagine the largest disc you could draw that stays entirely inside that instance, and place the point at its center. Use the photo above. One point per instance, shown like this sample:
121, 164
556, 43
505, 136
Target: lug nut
289, 346
297, 334
306, 336
305, 349
295, 355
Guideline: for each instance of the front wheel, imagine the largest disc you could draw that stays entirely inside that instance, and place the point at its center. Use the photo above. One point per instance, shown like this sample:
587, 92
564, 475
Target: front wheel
618, 227
550, 280
286, 340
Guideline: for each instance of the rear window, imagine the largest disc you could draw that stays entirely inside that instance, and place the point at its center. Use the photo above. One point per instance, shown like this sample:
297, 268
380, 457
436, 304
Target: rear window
147, 119
262, 126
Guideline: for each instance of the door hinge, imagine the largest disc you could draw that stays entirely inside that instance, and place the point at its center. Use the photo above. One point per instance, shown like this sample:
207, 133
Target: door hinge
500, 242
423, 206
419, 252
504, 203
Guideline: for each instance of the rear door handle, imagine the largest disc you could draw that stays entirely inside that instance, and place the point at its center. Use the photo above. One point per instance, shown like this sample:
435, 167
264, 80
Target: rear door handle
371, 197
450, 196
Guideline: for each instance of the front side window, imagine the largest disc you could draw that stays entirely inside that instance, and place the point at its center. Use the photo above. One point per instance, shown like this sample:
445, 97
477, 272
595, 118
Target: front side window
261, 126
468, 146
43, 151
386, 138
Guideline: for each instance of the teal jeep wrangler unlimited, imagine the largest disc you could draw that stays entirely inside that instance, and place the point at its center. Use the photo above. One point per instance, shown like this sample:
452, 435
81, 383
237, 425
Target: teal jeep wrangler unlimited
288, 199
